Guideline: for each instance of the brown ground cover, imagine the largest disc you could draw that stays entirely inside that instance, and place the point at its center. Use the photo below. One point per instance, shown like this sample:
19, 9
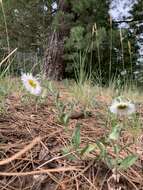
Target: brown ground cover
32, 142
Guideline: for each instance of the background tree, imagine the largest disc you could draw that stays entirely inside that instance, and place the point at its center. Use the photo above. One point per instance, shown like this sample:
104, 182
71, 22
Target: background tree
97, 36
75, 29
136, 26
27, 23
62, 31
54, 65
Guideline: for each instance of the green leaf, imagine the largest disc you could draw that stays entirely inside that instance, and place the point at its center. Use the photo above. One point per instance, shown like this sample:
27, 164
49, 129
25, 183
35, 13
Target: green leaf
117, 148
66, 119
76, 137
67, 150
102, 148
115, 133
89, 148
128, 161
109, 161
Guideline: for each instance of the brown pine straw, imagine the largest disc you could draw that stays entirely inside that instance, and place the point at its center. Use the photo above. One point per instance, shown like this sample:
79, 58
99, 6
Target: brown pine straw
42, 171
21, 152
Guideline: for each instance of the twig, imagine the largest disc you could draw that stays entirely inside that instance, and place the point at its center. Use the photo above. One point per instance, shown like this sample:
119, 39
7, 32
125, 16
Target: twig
93, 186
43, 171
80, 173
55, 158
135, 187
24, 150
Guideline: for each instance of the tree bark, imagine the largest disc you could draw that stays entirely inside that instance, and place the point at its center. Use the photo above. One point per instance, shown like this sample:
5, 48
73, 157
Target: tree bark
54, 66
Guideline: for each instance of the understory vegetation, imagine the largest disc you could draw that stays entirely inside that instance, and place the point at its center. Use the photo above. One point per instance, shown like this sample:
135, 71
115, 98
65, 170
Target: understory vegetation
79, 131
82, 132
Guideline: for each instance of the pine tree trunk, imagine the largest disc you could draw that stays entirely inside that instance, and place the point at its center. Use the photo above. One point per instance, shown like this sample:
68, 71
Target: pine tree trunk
53, 60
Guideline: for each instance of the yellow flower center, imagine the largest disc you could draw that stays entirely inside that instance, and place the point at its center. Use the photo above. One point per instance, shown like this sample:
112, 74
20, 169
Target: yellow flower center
32, 83
122, 106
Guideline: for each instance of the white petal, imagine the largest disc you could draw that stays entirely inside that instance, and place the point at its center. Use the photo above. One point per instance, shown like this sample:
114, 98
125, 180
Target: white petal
113, 109
131, 108
25, 79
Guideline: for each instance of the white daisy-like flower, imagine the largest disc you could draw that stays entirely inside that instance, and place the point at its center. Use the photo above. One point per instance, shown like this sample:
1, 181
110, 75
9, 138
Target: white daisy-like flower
31, 84
121, 108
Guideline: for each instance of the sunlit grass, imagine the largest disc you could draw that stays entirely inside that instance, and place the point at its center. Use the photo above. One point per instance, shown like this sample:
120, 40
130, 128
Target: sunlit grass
10, 85
130, 92
83, 93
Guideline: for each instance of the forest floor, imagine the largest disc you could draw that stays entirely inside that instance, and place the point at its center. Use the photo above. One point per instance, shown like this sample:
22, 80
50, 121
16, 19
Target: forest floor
36, 152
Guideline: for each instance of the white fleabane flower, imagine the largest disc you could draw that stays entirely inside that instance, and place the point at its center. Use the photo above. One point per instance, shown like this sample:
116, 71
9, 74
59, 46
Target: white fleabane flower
31, 84
122, 107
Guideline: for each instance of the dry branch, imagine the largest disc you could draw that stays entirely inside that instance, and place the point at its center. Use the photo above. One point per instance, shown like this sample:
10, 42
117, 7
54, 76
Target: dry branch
42, 171
24, 150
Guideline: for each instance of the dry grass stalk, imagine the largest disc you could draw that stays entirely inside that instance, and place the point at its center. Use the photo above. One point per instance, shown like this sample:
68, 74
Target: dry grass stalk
20, 153
41, 171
